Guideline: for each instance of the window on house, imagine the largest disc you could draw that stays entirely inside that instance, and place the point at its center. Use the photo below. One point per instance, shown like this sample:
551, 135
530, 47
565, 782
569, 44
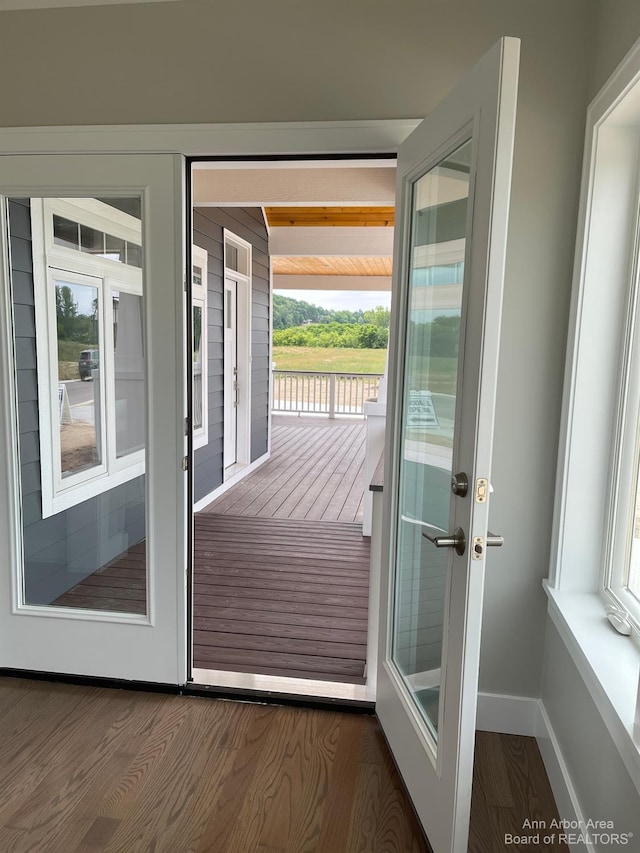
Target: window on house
199, 347
88, 291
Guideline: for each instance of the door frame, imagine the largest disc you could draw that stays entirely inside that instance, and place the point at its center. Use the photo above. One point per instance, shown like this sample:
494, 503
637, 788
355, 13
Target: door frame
246, 141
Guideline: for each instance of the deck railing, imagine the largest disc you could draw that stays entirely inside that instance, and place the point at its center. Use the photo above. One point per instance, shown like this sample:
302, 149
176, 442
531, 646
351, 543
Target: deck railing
323, 393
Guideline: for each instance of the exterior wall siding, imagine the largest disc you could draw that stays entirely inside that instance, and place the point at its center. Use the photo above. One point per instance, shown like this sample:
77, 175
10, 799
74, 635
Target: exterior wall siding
208, 225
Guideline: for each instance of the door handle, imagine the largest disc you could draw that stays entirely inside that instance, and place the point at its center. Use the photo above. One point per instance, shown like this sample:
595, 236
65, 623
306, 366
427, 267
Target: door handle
441, 539
494, 540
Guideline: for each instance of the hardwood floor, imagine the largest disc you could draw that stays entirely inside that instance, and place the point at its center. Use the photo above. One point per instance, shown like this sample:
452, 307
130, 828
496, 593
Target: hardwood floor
90, 769
316, 472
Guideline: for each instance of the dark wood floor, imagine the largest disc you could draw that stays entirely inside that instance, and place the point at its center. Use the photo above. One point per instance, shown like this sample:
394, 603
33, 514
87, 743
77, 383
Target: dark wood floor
316, 471
86, 769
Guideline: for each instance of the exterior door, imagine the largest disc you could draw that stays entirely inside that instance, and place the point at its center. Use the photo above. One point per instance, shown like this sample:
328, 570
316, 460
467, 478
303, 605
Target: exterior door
452, 202
231, 388
92, 346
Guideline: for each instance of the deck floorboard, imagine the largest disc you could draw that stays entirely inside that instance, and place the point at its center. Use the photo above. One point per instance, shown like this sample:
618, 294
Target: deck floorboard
281, 569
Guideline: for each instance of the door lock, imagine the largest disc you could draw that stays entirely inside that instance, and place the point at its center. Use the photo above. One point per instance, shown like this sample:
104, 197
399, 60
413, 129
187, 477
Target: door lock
460, 484
493, 540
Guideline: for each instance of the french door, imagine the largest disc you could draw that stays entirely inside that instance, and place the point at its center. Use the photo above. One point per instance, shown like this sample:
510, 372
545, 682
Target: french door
452, 204
92, 439
230, 372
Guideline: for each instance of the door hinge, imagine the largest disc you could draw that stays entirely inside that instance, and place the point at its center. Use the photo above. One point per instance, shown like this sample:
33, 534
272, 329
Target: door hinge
187, 427
185, 463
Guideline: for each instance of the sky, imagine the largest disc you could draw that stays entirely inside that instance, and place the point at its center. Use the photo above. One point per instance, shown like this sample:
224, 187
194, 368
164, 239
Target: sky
339, 300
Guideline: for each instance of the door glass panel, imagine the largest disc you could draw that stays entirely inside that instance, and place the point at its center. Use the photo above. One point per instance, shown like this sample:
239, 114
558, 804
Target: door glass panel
197, 359
81, 384
434, 307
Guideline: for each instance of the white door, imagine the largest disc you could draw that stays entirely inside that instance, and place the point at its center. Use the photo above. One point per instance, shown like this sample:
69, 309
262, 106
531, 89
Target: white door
93, 496
452, 203
231, 387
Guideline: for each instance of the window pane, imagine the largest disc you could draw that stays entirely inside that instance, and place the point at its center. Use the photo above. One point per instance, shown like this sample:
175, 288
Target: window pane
77, 324
114, 248
65, 232
129, 372
91, 241
134, 255
231, 257
633, 577
197, 367
88, 549
197, 276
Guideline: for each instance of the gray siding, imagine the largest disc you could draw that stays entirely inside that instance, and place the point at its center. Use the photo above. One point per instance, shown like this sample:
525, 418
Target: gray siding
208, 225
63, 549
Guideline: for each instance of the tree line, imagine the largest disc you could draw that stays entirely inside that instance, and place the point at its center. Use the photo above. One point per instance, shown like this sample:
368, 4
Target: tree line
289, 313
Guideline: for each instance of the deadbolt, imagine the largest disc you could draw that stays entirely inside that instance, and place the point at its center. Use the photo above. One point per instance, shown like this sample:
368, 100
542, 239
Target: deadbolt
460, 484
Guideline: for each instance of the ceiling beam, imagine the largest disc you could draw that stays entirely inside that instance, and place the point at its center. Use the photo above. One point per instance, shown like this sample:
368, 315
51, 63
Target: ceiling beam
330, 216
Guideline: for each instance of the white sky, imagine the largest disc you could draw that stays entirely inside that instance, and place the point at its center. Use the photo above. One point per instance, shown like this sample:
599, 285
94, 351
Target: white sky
341, 300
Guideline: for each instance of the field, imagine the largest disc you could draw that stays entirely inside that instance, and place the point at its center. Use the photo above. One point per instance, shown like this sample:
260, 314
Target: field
334, 360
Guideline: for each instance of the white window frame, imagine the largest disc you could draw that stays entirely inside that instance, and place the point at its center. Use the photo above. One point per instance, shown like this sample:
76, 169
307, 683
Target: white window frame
600, 388
200, 259
51, 260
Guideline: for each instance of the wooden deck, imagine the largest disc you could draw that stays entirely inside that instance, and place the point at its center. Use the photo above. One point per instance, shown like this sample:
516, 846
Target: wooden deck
281, 597
316, 472
281, 579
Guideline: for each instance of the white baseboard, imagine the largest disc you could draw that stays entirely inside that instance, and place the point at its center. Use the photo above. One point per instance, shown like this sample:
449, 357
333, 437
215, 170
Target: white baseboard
511, 715
204, 502
526, 716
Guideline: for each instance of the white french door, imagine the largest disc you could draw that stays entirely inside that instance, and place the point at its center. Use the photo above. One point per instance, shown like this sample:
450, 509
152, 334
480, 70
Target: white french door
93, 504
452, 203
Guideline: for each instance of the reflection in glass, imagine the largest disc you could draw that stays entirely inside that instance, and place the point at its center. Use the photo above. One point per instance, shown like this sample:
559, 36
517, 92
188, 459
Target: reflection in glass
197, 367
128, 360
83, 533
77, 326
436, 277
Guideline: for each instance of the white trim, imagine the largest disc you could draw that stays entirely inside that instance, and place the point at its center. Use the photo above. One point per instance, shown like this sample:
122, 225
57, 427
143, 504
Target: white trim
204, 502
275, 684
200, 258
511, 715
560, 780
251, 138
527, 717
608, 663
243, 279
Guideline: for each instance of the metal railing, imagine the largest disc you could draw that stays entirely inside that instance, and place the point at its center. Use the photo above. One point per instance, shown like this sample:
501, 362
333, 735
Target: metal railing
305, 391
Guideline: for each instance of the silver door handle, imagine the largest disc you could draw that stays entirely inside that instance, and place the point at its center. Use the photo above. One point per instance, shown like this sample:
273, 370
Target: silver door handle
494, 540
442, 539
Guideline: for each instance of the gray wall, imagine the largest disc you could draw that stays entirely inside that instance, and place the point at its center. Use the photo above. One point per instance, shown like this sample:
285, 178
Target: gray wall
331, 60
208, 225
63, 549
601, 782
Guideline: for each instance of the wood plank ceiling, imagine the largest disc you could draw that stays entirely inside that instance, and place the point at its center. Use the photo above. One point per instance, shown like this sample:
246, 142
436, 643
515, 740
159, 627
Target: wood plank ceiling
319, 217
331, 217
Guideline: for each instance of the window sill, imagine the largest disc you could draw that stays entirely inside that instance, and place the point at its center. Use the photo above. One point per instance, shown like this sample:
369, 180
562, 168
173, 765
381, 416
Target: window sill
609, 664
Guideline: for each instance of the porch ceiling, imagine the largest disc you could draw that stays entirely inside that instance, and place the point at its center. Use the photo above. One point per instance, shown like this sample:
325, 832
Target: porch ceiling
323, 266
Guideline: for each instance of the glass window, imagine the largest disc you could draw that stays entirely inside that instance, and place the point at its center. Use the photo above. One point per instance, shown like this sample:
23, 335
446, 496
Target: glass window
65, 232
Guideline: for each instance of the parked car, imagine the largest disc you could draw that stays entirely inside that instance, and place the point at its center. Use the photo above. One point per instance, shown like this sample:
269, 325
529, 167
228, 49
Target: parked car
88, 362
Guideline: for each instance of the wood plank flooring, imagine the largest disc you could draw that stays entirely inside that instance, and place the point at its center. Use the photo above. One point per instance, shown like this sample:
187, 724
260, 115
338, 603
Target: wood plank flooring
316, 472
271, 596
281, 597
86, 769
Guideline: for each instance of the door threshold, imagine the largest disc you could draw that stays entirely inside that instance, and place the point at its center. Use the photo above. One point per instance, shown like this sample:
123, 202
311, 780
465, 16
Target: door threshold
274, 684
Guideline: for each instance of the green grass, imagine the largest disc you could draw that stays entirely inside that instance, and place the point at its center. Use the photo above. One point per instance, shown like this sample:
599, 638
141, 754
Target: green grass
341, 360
70, 350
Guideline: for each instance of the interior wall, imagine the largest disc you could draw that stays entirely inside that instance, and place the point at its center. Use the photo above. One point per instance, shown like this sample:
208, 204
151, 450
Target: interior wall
617, 28
195, 61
